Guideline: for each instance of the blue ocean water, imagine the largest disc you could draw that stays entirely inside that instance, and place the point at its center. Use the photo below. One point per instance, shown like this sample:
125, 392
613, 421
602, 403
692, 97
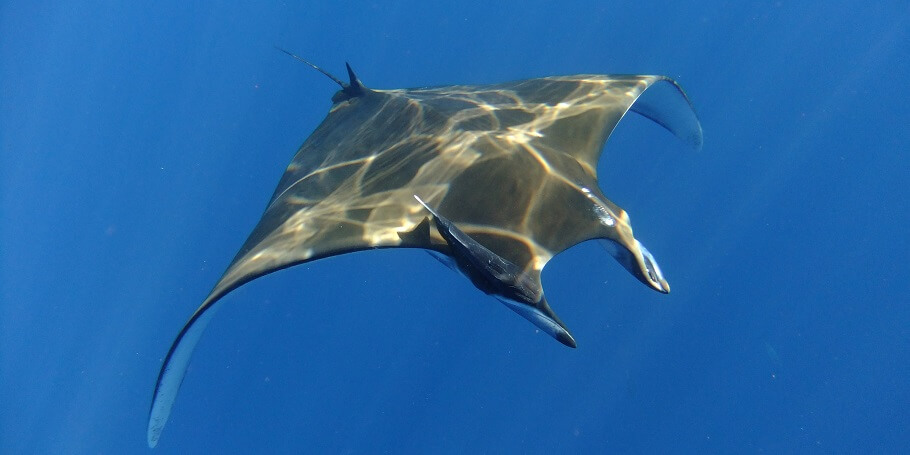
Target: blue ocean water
139, 144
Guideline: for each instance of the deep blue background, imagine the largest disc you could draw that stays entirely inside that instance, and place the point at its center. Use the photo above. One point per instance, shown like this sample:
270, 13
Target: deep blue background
141, 143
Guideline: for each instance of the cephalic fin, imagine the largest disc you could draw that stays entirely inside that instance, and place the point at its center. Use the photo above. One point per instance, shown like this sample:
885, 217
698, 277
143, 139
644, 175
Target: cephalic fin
497, 276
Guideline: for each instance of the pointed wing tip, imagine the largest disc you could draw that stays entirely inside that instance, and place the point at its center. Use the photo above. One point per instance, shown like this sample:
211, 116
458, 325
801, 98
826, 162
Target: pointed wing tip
696, 140
174, 368
154, 431
668, 105
161, 409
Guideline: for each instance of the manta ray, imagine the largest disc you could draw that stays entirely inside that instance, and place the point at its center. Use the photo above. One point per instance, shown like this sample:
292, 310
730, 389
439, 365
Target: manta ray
493, 180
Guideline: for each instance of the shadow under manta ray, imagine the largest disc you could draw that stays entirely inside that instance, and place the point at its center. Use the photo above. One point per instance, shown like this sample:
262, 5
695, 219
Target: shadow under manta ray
493, 180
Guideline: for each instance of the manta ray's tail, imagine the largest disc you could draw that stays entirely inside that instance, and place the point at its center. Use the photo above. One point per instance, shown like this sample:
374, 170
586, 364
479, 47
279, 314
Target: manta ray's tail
351, 89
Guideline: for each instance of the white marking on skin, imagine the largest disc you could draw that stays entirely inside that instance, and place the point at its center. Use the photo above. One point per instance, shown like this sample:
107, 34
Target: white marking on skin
603, 214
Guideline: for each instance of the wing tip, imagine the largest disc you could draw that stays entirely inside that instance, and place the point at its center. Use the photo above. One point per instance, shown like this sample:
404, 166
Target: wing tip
173, 370
153, 438
696, 138
155, 426
669, 106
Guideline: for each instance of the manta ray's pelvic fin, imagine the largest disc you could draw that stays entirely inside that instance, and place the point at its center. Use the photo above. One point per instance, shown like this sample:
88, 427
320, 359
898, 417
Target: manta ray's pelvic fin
495, 275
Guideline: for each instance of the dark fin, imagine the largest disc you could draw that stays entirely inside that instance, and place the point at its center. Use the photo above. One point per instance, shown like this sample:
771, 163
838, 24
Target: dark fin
566, 339
495, 275
489, 272
420, 235
354, 87
563, 336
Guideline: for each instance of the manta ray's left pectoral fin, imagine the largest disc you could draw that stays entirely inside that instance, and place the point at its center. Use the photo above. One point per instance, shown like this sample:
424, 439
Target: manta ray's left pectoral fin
493, 274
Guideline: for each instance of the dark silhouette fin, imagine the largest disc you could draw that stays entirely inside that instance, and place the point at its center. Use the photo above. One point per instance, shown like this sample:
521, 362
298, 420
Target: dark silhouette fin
355, 87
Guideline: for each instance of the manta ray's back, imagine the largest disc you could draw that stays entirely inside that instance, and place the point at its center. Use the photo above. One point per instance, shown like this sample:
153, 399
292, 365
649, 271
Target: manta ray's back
494, 180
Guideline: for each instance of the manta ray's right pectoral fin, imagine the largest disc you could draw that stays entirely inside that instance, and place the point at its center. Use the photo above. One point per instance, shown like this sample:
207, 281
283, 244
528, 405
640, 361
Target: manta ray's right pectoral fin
495, 275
